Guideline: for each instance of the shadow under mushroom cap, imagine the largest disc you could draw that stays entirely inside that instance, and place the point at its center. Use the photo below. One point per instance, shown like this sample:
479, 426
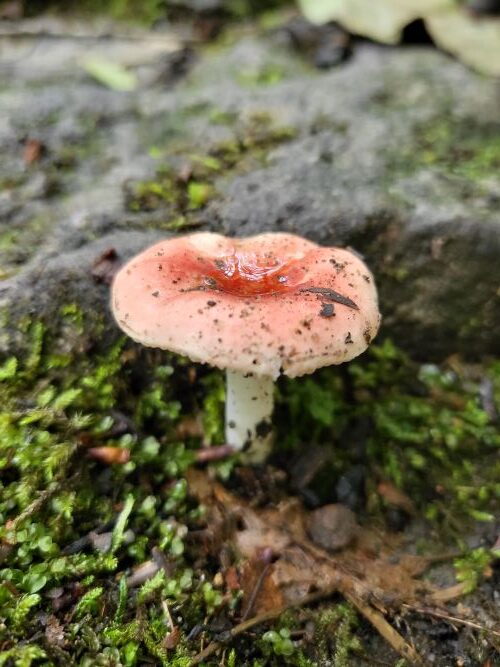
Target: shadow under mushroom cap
268, 304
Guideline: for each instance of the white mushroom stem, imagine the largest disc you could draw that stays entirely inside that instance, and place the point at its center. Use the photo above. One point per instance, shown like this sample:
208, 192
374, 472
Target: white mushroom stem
249, 406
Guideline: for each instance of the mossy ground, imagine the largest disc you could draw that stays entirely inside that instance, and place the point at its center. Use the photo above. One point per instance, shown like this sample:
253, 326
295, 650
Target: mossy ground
64, 599
66, 596
459, 148
148, 11
187, 180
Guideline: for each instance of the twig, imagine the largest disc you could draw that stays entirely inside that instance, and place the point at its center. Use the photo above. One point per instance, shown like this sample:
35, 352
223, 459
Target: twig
209, 454
450, 593
346, 588
375, 618
448, 617
83, 542
168, 615
385, 629
261, 618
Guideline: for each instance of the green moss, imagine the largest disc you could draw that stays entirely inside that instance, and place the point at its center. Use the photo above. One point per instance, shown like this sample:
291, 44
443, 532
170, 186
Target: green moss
266, 75
471, 568
48, 498
219, 117
428, 434
19, 242
459, 147
136, 11
181, 191
148, 11
335, 639
57, 401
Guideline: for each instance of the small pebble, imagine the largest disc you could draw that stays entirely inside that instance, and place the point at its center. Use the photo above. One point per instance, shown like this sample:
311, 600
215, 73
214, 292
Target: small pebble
332, 527
144, 572
350, 488
396, 518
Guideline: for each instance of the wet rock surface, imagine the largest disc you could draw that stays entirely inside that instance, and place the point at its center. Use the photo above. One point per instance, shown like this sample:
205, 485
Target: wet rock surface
395, 153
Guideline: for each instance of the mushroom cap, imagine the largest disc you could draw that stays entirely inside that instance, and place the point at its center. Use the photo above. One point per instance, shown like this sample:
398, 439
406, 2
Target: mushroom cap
268, 304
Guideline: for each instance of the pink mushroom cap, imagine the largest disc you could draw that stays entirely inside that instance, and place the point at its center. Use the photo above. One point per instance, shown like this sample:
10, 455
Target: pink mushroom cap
268, 304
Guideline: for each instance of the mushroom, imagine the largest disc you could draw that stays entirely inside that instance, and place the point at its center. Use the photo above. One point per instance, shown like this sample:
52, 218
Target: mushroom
257, 307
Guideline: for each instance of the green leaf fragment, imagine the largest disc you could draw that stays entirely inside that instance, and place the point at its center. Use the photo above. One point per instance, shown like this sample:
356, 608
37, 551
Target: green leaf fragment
110, 74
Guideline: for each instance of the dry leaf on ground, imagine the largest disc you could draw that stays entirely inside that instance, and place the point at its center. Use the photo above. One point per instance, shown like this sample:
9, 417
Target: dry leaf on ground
472, 39
372, 573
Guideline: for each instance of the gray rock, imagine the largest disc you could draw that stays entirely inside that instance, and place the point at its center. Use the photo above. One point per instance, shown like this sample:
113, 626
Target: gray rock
395, 153
332, 527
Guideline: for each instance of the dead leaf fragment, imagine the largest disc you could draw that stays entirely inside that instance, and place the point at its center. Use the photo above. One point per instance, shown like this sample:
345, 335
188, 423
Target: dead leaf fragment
231, 579
371, 573
475, 41
172, 638
189, 427
105, 266
210, 454
110, 455
393, 496
260, 592
32, 152
382, 20
54, 632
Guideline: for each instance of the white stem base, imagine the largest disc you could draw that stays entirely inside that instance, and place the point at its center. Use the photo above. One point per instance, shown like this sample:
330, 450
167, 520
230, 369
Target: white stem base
249, 406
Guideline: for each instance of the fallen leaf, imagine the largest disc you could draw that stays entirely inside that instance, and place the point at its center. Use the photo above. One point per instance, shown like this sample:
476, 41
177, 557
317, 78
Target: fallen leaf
371, 573
382, 20
110, 74
307, 464
256, 536
297, 573
475, 41
260, 591
366, 568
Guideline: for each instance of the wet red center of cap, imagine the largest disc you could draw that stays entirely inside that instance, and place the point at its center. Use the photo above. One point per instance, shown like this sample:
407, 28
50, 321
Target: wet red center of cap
247, 274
